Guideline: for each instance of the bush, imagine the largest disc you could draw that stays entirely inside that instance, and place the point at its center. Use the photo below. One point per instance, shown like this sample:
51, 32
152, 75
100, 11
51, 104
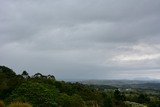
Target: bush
19, 104
37, 94
2, 104
65, 100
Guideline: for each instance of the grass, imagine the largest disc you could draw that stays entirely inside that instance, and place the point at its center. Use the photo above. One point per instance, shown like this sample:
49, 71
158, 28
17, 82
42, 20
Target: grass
2, 104
19, 104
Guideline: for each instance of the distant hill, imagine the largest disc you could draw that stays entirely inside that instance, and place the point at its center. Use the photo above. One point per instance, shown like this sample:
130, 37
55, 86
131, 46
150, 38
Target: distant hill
142, 84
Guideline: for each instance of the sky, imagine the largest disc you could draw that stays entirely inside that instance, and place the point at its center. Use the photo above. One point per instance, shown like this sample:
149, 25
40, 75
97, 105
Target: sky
81, 39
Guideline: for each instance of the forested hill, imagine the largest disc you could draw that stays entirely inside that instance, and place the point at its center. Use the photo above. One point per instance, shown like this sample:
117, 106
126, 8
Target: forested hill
45, 91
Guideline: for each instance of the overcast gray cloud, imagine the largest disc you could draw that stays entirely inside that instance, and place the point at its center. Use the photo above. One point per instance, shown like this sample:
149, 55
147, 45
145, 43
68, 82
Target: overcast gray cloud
81, 39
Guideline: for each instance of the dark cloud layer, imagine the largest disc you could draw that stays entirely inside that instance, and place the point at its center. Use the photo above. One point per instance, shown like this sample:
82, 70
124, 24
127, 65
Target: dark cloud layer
79, 39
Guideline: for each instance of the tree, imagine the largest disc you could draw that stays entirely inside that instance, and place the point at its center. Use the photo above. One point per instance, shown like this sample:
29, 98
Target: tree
154, 104
119, 96
143, 98
38, 94
77, 101
37, 75
7, 71
107, 100
25, 74
51, 77
8, 81
63, 100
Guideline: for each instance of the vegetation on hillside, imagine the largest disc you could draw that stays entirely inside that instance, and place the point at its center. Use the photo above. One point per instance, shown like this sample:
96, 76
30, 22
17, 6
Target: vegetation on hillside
45, 91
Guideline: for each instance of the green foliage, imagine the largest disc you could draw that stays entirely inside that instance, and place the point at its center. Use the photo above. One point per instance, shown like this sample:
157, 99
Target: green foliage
7, 71
39, 78
2, 104
8, 81
44, 91
87, 93
142, 98
119, 96
38, 94
77, 101
107, 100
65, 100
154, 104
133, 104
19, 104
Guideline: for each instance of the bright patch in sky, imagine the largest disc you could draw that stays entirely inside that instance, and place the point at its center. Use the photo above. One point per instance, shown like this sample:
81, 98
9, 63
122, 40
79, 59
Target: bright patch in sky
135, 57
140, 52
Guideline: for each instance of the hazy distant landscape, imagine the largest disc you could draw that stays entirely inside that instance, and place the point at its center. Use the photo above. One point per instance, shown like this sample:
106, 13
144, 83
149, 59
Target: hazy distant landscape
136, 84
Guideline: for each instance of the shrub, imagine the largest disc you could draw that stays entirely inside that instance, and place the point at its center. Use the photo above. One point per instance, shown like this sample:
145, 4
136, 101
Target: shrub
19, 104
65, 100
38, 94
2, 104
